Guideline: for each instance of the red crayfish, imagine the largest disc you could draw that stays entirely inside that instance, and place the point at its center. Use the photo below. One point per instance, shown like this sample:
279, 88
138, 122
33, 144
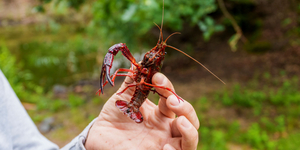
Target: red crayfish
142, 75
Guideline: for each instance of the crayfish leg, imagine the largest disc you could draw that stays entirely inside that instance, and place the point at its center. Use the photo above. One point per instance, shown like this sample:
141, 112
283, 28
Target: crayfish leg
166, 88
132, 85
113, 77
154, 91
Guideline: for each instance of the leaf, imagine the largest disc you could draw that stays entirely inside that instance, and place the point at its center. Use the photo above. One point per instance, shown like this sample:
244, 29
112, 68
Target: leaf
129, 12
45, 1
39, 9
233, 41
286, 22
75, 3
219, 28
202, 26
209, 21
206, 35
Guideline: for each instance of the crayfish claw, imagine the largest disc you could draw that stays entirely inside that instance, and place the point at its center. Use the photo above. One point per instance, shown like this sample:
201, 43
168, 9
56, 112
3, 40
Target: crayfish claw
102, 76
105, 72
108, 62
108, 75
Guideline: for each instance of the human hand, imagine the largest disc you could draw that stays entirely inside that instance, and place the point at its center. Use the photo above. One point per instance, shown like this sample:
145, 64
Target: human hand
159, 130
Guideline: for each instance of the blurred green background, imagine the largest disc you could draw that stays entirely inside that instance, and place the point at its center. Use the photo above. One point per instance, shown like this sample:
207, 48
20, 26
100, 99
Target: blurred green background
51, 52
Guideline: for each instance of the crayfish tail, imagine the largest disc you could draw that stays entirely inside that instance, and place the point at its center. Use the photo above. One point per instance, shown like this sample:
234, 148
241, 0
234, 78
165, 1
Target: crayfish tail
131, 112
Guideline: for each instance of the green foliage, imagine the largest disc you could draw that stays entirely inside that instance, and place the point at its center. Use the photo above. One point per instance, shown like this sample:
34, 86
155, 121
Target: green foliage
70, 3
8, 65
286, 95
275, 109
128, 21
212, 139
232, 131
75, 3
243, 1
57, 104
258, 138
20, 80
53, 105
286, 22
241, 97
258, 46
209, 27
277, 124
39, 8
96, 100
75, 101
289, 143
226, 99
57, 62
233, 41
201, 104
280, 123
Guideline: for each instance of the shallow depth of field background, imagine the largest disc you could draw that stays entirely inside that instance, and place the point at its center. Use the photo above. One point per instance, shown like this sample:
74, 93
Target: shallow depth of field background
51, 51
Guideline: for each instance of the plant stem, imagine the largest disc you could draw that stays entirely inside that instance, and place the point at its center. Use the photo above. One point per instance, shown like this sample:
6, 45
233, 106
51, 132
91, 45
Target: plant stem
232, 20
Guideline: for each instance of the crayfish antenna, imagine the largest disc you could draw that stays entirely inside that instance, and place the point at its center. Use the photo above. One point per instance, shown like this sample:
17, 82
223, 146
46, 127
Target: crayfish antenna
162, 20
196, 62
160, 32
171, 35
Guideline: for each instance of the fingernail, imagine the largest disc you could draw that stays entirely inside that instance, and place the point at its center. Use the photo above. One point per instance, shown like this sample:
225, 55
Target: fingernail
159, 79
185, 123
174, 101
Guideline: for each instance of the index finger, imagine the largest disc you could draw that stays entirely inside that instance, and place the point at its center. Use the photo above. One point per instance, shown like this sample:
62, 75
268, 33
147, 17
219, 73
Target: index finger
162, 81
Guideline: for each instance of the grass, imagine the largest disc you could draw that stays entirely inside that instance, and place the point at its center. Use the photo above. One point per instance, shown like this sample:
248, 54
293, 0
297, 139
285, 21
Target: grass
260, 117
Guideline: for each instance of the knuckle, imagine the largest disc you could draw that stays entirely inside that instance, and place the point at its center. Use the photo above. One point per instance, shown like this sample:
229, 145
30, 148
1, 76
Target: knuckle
187, 108
189, 112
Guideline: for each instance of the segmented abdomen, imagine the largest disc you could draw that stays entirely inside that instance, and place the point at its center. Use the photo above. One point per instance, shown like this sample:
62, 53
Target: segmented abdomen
140, 94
